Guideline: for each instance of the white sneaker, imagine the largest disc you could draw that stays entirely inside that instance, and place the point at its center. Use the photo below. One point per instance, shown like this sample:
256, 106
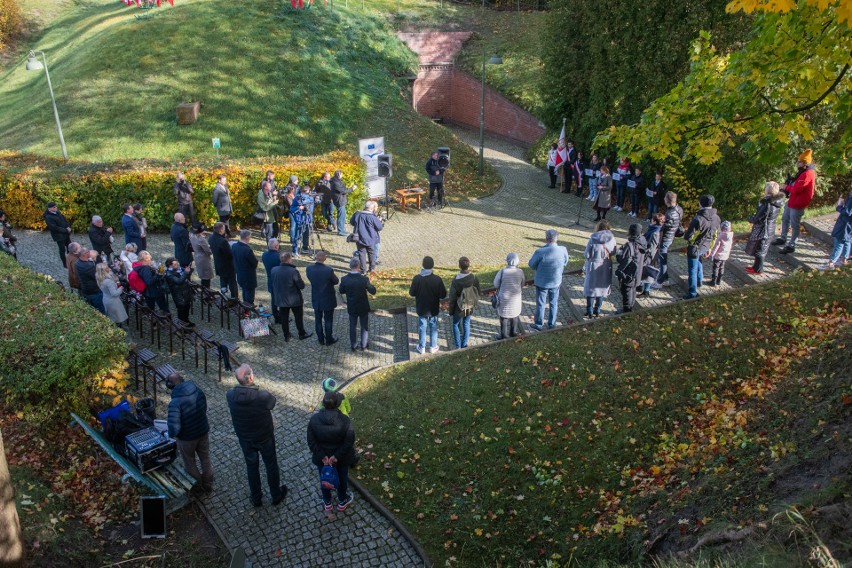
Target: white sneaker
656, 286
420, 350
434, 349
666, 284
616, 208
828, 266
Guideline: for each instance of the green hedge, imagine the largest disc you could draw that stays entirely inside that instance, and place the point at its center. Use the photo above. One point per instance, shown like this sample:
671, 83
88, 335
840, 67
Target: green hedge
57, 354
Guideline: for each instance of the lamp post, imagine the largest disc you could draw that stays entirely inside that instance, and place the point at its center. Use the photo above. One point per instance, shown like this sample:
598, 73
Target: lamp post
34, 64
494, 60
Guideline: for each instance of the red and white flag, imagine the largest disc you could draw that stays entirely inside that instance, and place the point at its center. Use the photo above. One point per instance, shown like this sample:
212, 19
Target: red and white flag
561, 150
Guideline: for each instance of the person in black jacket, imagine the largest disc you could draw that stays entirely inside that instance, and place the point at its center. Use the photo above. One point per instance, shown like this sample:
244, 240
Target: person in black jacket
671, 229
154, 293
763, 225
636, 183
245, 262
701, 234
354, 286
323, 299
8, 241
252, 418
101, 238
60, 229
183, 192
287, 286
188, 425
631, 254
180, 238
332, 442
89, 287
655, 194
223, 260
428, 290
178, 282
436, 178
339, 191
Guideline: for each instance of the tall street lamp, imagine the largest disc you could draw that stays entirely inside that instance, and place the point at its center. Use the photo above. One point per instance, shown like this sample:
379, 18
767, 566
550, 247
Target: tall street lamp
34, 64
494, 60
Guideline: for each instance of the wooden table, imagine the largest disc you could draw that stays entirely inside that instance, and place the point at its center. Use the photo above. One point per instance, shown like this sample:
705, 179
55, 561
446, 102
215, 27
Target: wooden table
411, 193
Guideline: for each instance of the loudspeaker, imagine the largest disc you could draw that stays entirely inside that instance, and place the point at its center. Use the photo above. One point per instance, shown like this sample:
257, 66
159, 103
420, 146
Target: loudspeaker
153, 516
444, 158
385, 165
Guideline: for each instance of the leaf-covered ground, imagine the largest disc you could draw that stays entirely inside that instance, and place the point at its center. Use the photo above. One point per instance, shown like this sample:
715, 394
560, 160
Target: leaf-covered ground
628, 437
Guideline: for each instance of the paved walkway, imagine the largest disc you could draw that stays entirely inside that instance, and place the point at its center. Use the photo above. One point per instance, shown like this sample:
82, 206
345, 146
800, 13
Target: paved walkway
297, 533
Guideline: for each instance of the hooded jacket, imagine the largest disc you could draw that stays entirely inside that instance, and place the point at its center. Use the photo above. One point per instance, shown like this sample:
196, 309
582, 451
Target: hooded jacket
188, 412
428, 290
702, 232
330, 434
722, 247
250, 412
459, 283
843, 226
598, 267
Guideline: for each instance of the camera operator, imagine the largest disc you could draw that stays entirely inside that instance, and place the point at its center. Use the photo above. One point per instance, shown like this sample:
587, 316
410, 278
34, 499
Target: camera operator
339, 191
436, 178
323, 188
266, 203
301, 217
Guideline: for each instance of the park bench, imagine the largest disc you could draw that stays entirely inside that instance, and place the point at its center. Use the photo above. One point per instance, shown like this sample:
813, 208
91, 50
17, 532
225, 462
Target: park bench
170, 482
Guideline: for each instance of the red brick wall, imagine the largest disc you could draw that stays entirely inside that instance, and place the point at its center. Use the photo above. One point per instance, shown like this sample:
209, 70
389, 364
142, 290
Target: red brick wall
432, 91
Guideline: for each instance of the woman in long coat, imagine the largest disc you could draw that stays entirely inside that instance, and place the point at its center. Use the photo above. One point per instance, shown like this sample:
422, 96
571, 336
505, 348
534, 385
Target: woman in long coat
111, 289
509, 283
598, 268
603, 200
203, 255
763, 225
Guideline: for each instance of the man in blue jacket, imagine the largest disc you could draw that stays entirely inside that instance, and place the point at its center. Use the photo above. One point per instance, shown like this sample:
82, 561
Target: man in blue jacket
548, 262
132, 232
245, 263
323, 299
366, 226
270, 259
180, 238
188, 425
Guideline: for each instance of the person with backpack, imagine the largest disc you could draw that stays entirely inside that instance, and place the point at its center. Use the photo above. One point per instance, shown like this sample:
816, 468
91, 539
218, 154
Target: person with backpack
428, 290
651, 260
151, 285
700, 236
464, 297
331, 441
630, 257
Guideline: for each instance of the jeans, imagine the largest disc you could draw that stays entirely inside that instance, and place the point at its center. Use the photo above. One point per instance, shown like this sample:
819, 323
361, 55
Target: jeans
593, 188
341, 219
663, 258
598, 302
424, 324
342, 487
298, 315
327, 212
364, 319
188, 449
634, 201
791, 219
367, 256
696, 275
295, 236
620, 186
510, 327
97, 301
549, 296
840, 251
652, 207
323, 322
461, 329
248, 294
231, 284
265, 449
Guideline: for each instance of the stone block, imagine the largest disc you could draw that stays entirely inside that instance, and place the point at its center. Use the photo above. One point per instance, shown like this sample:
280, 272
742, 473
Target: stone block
187, 113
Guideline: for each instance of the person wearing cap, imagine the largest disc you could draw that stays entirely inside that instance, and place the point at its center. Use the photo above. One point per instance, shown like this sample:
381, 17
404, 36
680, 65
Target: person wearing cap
700, 236
800, 192
188, 425
548, 262
428, 290
202, 254
331, 441
509, 284
330, 385
354, 287
60, 229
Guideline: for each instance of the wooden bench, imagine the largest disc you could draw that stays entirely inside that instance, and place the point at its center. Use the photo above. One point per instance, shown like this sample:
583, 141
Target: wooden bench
170, 482
411, 193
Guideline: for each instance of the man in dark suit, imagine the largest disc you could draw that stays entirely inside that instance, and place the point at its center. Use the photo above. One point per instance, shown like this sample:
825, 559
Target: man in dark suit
132, 232
60, 229
323, 300
287, 286
569, 169
101, 237
270, 259
246, 264
180, 237
355, 286
339, 191
223, 259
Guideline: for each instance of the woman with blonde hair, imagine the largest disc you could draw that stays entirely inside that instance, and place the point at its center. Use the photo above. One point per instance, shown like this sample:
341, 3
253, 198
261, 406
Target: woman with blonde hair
763, 225
112, 294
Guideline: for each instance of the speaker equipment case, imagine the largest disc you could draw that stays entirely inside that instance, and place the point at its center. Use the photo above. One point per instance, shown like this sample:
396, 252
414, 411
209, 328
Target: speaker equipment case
149, 449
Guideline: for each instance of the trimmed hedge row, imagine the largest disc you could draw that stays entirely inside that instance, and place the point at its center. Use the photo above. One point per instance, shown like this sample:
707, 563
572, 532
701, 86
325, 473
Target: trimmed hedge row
28, 183
57, 354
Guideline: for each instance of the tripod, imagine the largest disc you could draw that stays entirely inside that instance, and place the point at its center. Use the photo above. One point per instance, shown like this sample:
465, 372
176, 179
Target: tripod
311, 228
442, 200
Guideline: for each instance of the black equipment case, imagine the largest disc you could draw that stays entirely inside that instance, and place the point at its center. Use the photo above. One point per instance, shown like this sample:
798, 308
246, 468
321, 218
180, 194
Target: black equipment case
149, 449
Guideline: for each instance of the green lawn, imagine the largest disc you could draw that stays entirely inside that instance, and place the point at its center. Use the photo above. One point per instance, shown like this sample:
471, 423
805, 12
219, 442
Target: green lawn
586, 444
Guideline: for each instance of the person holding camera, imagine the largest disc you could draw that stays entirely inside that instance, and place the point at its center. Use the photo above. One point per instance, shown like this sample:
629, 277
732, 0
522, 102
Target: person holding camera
436, 178
339, 191
323, 188
222, 201
266, 203
301, 219
183, 192
177, 278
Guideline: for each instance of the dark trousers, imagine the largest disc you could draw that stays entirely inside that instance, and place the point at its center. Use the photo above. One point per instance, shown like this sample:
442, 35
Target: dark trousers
183, 312
367, 255
96, 301
226, 219
252, 451
718, 271
551, 171
248, 294
231, 284
634, 201
342, 487
298, 315
323, 322
509, 327
628, 294
365, 329
620, 188
188, 210
188, 450
436, 187
758, 263
160, 301
205, 282
63, 248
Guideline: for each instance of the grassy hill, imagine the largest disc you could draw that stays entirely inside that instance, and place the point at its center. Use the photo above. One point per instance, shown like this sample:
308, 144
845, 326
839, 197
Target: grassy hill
632, 438
271, 81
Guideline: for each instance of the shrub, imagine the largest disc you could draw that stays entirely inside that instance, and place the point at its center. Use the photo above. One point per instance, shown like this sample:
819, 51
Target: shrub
84, 189
57, 354
10, 21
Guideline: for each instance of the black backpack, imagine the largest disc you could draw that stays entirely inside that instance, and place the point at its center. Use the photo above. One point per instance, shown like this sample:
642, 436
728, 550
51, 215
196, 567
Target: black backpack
627, 267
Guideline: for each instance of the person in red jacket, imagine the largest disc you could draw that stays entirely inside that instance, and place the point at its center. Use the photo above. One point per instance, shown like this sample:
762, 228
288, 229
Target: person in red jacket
800, 191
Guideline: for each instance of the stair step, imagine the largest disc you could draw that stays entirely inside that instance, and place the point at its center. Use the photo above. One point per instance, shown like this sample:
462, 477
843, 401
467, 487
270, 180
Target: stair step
400, 337
820, 228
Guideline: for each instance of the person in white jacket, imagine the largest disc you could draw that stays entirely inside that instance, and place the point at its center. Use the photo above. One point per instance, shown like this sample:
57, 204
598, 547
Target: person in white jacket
720, 252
